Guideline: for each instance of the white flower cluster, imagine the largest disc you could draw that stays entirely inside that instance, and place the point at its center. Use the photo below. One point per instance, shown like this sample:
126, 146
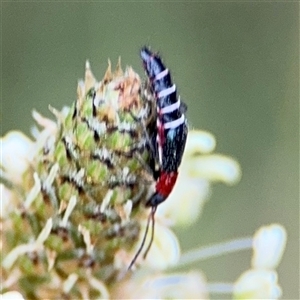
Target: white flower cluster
261, 281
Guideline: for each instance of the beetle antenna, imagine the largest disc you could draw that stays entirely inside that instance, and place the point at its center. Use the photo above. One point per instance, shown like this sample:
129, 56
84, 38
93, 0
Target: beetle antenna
150, 217
153, 210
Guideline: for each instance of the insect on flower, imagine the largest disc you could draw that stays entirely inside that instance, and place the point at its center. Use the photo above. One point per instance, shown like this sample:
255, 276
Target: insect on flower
167, 142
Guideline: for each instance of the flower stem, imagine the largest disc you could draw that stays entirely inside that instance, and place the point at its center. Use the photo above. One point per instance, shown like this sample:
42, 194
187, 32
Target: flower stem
220, 288
200, 254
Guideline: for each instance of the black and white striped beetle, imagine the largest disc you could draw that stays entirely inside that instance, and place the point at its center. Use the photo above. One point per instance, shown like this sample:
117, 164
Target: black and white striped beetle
168, 140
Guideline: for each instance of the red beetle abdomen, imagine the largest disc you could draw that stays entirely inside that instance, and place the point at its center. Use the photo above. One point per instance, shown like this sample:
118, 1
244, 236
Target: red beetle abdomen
165, 183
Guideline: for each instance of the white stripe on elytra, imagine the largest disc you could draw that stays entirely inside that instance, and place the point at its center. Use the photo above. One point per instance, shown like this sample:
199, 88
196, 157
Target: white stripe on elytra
175, 124
159, 150
161, 74
158, 123
170, 108
167, 92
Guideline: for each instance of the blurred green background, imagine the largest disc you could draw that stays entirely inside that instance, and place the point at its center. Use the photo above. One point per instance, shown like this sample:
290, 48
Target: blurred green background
236, 66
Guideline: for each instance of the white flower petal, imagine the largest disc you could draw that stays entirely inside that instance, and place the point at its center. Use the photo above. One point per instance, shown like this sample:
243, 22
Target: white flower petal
100, 287
45, 137
47, 184
69, 282
213, 167
11, 296
164, 251
19, 250
178, 286
199, 141
185, 203
268, 246
34, 192
44, 122
44, 234
65, 111
13, 255
6, 200
257, 284
16, 155
71, 205
190, 285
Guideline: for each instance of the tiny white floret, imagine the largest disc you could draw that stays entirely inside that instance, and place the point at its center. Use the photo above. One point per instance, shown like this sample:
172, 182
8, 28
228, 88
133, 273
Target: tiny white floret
16, 150
268, 246
257, 284
11, 296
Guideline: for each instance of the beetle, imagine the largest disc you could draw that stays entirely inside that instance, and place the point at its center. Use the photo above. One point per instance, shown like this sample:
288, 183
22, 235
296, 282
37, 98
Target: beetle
168, 139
